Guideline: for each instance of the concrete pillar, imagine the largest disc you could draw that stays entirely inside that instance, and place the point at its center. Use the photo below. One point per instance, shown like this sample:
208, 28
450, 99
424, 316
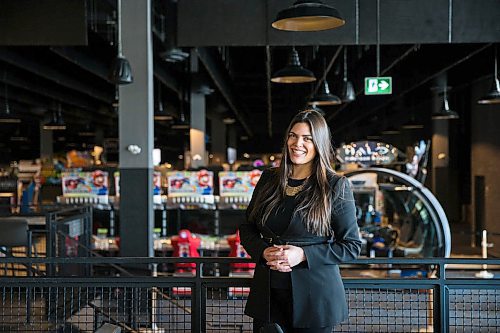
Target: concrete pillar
136, 129
197, 118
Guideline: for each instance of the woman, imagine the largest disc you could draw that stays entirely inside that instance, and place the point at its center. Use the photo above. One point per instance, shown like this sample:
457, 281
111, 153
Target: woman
300, 225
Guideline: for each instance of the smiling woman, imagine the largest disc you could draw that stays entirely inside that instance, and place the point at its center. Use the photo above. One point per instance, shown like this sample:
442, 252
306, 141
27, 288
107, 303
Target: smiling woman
300, 225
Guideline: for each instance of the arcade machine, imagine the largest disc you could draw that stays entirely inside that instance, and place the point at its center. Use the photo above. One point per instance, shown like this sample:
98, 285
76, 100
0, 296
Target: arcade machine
236, 189
397, 215
90, 187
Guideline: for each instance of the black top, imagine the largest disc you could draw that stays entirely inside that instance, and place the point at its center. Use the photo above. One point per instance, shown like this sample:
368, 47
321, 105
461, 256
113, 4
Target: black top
278, 222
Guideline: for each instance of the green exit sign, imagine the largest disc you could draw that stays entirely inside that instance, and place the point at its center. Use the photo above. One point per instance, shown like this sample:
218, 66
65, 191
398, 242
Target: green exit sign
378, 85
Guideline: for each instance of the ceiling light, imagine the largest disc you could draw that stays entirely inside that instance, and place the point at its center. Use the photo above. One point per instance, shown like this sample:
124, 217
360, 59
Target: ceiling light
325, 97
228, 120
57, 123
391, 130
88, 131
160, 113
445, 113
293, 72
182, 124
174, 54
412, 124
493, 97
121, 72
308, 15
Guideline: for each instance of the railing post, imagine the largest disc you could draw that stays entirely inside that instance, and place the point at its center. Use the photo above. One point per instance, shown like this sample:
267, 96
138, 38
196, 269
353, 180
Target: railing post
196, 300
441, 303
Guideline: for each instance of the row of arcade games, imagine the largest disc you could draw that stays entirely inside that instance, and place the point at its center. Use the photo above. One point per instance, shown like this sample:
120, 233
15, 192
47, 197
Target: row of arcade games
397, 215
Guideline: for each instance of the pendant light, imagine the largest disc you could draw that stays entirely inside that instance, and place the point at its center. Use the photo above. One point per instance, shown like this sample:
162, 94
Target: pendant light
325, 97
348, 93
5, 116
121, 73
412, 124
160, 113
391, 130
445, 113
293, 72
493, 97
308, 15
57, 123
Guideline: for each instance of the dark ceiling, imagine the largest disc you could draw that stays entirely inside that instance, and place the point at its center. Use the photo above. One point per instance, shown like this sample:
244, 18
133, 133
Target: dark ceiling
35, 80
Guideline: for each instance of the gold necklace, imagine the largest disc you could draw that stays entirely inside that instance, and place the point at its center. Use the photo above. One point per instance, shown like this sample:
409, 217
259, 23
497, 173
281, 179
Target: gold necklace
292, 191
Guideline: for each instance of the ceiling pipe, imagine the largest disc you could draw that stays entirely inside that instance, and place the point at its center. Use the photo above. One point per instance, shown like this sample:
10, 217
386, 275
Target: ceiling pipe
222, 81
420, 83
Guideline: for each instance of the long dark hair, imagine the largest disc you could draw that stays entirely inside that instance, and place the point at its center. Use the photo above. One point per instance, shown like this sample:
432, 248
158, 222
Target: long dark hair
314, 202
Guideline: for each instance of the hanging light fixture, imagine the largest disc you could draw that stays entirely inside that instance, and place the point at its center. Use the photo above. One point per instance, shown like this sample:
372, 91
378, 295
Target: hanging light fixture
348, 93
87, 131
493, 97
325, 97
121, 72
293, 72
57, 123
391, 130
6, 117
308, 15
182, 124
445, 113
160, 113
412, 124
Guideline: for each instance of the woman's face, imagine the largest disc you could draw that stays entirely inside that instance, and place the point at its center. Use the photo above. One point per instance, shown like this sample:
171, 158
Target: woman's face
300, 144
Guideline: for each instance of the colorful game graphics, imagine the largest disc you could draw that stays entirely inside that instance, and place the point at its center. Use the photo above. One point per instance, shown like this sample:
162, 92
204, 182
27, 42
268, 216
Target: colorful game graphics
239, 183
85, 184
185, 183
156, 183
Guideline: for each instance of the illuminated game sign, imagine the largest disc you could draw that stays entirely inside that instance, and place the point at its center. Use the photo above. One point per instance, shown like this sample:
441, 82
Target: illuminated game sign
238, 183
85, 184
367, 153
184, 183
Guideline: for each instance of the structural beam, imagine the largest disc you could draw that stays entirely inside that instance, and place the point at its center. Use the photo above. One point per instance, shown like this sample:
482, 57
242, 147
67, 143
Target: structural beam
226, 22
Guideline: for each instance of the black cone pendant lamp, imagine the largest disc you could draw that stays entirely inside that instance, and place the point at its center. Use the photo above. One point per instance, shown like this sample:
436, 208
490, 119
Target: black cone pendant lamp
121, 72
308, 15
325, 97
57, 123
445, 113
293, 72
493, 97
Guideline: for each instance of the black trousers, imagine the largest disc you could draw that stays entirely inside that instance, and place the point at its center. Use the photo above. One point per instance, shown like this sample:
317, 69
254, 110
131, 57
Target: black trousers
282, 313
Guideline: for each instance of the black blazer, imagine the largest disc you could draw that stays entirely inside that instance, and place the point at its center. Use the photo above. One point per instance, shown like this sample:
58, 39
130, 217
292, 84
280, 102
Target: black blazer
317, 288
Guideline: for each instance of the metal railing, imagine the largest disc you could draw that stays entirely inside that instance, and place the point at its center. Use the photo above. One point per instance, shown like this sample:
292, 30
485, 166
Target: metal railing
440, 297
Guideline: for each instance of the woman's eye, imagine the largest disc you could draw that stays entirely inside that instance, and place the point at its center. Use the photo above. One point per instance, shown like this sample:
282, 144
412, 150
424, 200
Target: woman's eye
307, 139
291, 135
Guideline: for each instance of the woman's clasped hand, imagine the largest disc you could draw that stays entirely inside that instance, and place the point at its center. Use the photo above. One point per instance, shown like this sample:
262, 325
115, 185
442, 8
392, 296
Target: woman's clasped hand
283, 257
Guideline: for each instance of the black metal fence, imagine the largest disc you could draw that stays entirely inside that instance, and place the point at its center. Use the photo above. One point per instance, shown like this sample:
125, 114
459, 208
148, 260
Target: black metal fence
438, 297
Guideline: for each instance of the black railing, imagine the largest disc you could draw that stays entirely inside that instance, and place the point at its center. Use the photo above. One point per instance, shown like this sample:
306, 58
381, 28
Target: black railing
443, 295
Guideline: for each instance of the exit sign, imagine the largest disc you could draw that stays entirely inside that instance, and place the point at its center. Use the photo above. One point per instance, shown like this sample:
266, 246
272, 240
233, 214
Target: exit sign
378, 85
